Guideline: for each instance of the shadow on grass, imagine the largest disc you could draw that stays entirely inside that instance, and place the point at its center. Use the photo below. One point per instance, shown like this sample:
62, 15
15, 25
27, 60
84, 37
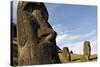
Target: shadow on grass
93, 58
75, 59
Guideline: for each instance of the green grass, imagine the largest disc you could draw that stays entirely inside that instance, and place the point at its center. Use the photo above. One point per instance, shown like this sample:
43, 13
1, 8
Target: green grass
77, 58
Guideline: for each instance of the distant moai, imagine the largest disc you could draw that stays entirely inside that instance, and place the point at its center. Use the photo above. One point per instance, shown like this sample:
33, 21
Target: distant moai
71, 52
35, 36
86, 51
66, 54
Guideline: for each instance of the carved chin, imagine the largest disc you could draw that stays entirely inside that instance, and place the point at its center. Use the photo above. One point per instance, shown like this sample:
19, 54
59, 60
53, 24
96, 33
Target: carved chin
49, 37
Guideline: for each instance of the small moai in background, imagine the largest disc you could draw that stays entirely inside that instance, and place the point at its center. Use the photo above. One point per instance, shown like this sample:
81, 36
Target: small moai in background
71, 52
86, 51
66, 54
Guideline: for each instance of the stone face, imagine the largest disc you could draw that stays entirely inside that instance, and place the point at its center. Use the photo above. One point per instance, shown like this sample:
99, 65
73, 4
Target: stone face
66, 54
87, 50
35, 36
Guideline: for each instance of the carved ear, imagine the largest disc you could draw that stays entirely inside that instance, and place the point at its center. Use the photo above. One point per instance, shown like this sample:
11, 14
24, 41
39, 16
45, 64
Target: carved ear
21, 34
21, 24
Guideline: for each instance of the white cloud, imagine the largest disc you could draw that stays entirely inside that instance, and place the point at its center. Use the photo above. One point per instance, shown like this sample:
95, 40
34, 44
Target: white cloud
64, 39
94, 47
77, 47
93, 32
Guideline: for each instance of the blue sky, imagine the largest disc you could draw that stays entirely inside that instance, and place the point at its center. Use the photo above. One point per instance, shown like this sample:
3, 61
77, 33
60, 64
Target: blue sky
73, 23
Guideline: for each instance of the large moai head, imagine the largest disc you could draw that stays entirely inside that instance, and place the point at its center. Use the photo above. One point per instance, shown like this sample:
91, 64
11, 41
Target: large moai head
35, 36
66, 54
86, 50
37, 14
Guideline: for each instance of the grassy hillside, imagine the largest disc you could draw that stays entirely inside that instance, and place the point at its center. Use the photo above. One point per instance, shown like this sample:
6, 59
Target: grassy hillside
77, 58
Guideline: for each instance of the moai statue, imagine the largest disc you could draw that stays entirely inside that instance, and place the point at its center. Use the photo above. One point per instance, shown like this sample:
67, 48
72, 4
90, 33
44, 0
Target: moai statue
66, 54
36, 38
71, 52
87, 51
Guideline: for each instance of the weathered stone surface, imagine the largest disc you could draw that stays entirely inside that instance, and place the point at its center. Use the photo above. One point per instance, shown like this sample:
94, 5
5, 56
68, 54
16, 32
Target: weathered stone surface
66, 54
87, 50
14, 50
35, 36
